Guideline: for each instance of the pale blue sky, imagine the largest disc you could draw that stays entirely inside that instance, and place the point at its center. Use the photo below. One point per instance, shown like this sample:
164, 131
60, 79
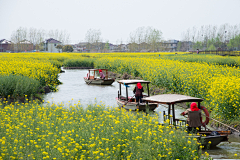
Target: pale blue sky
115, 18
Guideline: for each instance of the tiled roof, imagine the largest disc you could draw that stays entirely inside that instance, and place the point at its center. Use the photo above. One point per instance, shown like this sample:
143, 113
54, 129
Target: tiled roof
25, 42
4, 41
51, 40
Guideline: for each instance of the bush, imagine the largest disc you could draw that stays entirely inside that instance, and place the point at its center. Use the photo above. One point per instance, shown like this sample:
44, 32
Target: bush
78, 63
16, 85
67, 48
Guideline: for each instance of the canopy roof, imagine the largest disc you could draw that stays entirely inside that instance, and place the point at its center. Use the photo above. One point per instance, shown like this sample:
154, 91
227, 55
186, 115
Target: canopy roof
171, 98
97, 69
132, 81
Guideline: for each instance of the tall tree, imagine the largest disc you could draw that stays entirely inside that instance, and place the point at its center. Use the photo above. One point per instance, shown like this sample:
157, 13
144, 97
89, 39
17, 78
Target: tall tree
93, 37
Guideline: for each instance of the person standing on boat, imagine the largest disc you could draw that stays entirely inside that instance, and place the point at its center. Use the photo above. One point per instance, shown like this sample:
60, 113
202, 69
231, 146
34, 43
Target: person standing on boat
194, 119
102, 76
138, 90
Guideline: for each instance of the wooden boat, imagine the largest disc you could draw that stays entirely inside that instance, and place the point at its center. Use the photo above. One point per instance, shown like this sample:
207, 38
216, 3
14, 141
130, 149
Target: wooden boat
129, 103
176, 99
92, 78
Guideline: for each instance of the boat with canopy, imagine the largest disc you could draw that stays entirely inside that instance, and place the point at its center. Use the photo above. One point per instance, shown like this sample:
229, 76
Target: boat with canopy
205, 136
93, 77
129, 102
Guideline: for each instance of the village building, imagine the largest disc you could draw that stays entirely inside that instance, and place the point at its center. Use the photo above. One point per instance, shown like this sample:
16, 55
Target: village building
51, 44
5, 45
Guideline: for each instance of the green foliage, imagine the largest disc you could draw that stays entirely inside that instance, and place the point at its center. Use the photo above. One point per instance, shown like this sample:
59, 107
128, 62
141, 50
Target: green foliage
78, 63
198, 45
211, 48
59, 46
234, 43
67, 48
16, 85
179, 45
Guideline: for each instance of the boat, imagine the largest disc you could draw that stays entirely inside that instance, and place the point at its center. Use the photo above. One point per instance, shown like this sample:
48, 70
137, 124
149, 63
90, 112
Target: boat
129, 102
206, 136
92, 78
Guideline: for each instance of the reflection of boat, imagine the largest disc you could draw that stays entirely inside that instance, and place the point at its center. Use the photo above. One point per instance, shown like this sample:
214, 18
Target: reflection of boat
92, 78
129, 102
171, 100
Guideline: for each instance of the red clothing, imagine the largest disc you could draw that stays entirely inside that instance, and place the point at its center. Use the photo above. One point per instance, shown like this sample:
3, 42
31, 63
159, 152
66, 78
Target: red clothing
139, 85
194, 107
138, 92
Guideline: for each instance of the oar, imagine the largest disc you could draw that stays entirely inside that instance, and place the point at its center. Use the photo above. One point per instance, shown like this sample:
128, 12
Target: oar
89, 82
224, 124
126, 102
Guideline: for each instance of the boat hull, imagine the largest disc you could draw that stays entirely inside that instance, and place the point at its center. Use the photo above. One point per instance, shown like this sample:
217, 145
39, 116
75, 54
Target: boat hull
213, 140
208, 140
134, 106
99, 81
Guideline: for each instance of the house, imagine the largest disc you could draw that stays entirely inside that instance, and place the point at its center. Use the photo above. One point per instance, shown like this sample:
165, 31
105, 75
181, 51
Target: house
24, 46
82, 47
170, 45
186, 46
5, 45
51, 44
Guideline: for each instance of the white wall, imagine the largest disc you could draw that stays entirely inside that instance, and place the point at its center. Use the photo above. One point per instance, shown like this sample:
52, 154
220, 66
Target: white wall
52, 48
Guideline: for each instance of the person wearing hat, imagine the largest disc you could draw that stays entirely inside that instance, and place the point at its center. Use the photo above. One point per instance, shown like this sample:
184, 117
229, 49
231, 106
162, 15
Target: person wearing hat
102, 76
138, 90
194, 119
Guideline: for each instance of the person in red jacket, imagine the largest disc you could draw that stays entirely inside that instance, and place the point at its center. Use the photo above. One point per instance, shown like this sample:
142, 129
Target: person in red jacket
102, 76
194, 119
138, 90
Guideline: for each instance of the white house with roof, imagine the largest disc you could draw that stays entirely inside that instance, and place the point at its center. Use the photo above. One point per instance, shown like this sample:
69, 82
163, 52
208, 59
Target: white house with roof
5, 45
51, 44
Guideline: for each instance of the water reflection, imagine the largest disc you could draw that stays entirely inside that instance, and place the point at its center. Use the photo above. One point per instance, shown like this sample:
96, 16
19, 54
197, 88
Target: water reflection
75, 89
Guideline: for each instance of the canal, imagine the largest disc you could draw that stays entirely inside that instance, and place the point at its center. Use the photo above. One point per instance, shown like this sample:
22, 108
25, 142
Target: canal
74, 90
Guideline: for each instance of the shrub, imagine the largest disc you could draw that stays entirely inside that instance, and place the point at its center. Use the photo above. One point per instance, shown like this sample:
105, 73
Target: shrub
16, 85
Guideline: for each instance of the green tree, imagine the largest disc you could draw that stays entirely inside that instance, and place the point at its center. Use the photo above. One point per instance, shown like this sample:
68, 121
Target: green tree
198, 45
106, 47
211, 48
234, 43
67, 48
59, 47
179, 45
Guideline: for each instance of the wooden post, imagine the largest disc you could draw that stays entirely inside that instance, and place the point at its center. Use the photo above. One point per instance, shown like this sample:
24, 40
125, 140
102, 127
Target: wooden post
148, 90
127, 93
120, 89
199, 105
118, 94
164, 116
173, 112
169, 108
106, 74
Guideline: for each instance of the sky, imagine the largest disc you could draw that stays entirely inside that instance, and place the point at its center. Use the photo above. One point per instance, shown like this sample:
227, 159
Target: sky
116, 19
